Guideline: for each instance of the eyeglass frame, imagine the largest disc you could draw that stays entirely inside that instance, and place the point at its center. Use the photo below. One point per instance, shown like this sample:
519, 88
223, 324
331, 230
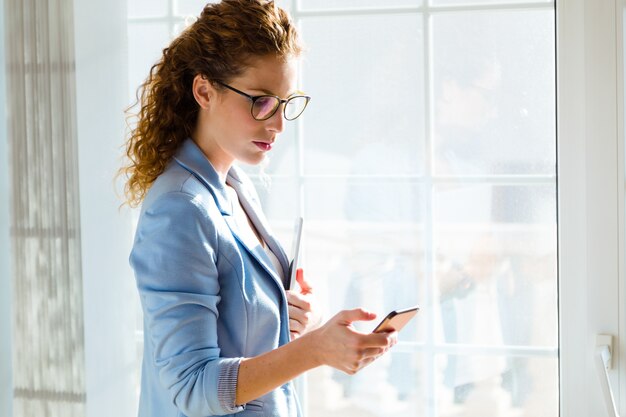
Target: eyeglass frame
253, 99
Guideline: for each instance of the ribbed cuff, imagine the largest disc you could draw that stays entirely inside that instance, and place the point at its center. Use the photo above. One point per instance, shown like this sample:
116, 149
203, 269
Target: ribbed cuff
227, 385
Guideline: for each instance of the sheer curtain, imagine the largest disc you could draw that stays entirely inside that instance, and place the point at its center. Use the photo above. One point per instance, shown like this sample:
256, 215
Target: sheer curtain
48, 339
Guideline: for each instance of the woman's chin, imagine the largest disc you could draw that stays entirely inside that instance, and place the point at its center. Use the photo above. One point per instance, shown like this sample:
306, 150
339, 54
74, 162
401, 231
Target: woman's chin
259, 159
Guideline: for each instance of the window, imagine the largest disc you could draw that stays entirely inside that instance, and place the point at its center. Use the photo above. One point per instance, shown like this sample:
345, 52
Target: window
434, 183
425, 169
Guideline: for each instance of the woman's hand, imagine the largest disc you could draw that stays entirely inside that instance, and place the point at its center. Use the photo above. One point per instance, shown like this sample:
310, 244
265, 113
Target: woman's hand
304, 315
336, 344
339, 345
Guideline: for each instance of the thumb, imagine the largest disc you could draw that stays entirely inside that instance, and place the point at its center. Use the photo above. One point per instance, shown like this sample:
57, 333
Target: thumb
358, 314
304, 285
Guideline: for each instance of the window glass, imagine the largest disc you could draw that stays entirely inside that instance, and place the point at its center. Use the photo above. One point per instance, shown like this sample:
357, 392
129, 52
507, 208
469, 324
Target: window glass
370, 238
496, 385
190, 7
147, 8
494, 94
399, 389
495, 250
367, 112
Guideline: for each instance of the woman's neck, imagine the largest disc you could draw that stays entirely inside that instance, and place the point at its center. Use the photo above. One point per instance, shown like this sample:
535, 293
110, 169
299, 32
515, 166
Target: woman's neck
220, 162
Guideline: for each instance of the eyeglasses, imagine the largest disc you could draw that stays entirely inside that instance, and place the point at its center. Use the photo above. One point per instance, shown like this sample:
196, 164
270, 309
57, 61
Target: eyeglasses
265, 106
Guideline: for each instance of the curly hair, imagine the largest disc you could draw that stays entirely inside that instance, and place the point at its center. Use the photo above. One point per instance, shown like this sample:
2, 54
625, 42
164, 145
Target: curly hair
218, 45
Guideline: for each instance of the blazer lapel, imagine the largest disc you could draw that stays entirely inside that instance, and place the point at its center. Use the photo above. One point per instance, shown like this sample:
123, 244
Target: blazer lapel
191, 158
252, 245
252, 207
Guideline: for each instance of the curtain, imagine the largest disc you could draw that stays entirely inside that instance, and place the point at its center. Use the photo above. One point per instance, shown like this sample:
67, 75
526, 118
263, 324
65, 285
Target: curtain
48, 341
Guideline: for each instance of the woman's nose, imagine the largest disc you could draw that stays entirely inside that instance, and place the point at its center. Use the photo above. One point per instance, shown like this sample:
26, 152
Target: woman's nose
276, 123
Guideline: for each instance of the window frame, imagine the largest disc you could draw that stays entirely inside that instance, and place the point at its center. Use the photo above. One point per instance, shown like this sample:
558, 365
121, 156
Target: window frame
429, 178
590, 199
620, 37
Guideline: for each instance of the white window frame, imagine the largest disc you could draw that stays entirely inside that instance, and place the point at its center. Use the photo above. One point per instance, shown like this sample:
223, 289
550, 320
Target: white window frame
591, 195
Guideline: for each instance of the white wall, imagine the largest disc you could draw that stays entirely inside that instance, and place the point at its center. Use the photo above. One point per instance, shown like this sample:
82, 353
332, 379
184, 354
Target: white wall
6, 384
108, 284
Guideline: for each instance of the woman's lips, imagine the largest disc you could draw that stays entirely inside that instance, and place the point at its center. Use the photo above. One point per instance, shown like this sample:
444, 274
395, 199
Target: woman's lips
263, 145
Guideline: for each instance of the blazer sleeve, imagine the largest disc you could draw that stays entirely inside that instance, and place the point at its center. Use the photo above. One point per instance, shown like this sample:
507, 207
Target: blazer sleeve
175, 262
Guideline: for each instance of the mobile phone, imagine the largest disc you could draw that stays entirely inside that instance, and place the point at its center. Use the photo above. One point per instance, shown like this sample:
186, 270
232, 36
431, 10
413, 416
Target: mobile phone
396, 320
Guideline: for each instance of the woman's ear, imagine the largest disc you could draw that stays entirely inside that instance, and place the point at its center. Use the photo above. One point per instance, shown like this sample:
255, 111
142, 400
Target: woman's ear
203, 91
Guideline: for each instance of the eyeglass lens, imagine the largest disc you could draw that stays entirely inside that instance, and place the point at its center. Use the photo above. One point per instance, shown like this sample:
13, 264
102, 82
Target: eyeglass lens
265, 106
294, 107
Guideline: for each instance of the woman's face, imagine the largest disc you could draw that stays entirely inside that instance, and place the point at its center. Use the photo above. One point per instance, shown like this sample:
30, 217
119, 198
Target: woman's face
227, 131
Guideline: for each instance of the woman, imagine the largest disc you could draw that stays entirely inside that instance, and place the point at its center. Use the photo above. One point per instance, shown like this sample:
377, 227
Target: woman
209, 271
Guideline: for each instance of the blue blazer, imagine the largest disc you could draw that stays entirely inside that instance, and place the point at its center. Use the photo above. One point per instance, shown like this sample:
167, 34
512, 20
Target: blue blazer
210, 296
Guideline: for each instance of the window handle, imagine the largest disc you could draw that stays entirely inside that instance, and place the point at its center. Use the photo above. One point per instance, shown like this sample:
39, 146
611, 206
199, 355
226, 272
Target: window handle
602, 359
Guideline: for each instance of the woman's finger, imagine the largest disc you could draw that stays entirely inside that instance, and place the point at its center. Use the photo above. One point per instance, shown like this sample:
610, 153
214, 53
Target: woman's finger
372, 353
296, 326
367, 361
299, 315
378, 339
298, 300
